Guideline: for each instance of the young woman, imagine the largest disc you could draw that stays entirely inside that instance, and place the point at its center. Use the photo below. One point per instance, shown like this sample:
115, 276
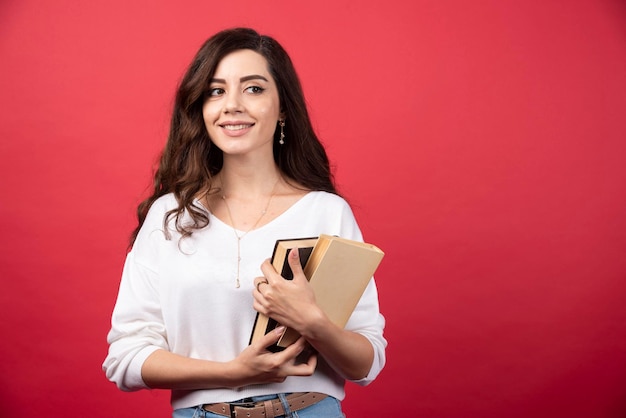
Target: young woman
242, 168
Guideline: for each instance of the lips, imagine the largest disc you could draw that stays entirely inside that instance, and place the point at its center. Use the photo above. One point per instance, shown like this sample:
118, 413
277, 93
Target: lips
237, 127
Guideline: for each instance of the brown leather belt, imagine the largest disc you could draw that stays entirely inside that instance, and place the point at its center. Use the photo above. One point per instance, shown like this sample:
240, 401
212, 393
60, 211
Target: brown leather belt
265, 409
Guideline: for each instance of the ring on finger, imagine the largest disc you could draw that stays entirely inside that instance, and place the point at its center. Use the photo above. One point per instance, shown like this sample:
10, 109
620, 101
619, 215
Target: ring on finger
263, 281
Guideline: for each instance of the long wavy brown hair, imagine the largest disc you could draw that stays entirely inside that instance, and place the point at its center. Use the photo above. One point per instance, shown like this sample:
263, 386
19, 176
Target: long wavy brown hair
190, 160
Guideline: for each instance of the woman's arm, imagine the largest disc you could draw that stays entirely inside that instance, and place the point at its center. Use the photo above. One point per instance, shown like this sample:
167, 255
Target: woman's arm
292, 303
165, 370
139, 355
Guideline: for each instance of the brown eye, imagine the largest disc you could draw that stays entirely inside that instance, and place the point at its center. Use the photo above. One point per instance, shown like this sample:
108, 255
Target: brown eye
215, 92
255, 89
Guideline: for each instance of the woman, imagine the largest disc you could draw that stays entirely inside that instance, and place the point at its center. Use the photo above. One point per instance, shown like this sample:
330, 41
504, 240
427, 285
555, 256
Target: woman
242, 168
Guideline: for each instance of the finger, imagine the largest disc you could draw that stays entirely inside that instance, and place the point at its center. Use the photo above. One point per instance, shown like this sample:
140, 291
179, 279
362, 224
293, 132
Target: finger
260, 304
294, 263
271, 337
312, 362
303, 369
294, 350
260, 281
268, 271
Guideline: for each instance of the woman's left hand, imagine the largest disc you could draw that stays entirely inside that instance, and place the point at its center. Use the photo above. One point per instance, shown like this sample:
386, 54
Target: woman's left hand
290, 302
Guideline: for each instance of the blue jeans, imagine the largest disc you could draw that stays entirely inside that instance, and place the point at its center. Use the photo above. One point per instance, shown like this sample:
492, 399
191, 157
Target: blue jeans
328, 407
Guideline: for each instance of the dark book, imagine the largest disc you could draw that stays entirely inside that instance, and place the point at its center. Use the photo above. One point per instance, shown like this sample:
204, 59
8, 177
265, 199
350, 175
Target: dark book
264, 324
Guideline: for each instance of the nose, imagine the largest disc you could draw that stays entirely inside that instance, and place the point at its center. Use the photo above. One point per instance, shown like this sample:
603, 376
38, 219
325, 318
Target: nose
233, 104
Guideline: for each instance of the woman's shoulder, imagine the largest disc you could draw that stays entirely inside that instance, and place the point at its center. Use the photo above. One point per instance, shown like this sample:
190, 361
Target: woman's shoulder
160, 207
327, 198
326, 202
164, 204
335, 214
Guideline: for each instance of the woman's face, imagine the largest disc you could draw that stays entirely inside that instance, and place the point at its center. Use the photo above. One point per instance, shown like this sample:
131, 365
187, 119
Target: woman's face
242, 108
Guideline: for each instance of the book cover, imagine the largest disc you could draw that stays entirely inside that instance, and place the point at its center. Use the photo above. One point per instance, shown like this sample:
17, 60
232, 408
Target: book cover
339, 270
264, 324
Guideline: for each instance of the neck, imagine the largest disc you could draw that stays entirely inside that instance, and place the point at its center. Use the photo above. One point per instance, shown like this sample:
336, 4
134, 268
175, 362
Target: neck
248, 181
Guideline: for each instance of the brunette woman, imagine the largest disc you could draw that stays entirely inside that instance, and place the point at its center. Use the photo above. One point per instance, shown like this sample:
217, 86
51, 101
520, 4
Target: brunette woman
242, 168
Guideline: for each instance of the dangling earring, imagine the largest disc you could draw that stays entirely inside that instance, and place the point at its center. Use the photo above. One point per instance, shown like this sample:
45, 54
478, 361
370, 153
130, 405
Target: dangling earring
281, 141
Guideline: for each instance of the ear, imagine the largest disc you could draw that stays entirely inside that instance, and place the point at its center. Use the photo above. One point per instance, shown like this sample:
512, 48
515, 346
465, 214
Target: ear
282, 116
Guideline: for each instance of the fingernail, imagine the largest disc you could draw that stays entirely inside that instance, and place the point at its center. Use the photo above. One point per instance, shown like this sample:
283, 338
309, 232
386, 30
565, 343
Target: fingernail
279, 330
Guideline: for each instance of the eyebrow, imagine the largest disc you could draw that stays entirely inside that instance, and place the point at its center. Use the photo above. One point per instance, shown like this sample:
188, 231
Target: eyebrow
242, 79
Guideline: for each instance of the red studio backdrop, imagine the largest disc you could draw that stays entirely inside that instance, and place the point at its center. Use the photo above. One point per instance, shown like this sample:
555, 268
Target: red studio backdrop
481, 145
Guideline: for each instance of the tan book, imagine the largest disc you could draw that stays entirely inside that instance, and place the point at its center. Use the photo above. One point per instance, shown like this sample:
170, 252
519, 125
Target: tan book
264, 324
339, 270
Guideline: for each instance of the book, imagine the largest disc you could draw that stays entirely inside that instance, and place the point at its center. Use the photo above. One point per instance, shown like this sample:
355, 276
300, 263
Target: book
339, 270
262, 323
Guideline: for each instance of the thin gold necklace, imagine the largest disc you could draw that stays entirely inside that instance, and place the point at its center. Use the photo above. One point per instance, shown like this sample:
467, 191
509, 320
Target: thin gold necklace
240, 237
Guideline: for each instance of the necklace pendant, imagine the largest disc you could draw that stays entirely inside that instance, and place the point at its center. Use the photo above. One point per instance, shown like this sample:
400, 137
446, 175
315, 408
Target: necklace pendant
244, 233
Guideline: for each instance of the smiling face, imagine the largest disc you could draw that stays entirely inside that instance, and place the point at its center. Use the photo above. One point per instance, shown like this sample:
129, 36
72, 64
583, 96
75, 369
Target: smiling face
242, 107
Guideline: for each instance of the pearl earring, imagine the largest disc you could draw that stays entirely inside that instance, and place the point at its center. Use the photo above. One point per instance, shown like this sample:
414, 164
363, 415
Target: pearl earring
281, 141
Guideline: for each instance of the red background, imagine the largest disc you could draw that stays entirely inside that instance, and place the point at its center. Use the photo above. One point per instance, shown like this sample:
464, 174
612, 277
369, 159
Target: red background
481, 144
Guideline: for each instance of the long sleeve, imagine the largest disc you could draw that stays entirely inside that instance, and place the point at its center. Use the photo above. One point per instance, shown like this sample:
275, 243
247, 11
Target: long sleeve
137, 327
366, 318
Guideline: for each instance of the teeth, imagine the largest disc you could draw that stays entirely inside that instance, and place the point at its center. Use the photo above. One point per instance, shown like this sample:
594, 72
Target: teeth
236, 127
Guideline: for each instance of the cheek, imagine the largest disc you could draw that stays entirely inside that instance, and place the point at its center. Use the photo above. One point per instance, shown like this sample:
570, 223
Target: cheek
269, 106
270, 110
208, 114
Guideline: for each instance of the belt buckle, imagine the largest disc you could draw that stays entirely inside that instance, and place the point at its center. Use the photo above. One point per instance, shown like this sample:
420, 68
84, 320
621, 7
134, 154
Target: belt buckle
232, 406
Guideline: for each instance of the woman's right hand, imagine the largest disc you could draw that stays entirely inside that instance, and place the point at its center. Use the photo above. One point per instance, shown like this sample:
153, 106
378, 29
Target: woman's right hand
256, 365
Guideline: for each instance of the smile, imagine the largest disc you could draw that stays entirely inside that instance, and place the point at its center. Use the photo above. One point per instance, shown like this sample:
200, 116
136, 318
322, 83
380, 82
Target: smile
236, 127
